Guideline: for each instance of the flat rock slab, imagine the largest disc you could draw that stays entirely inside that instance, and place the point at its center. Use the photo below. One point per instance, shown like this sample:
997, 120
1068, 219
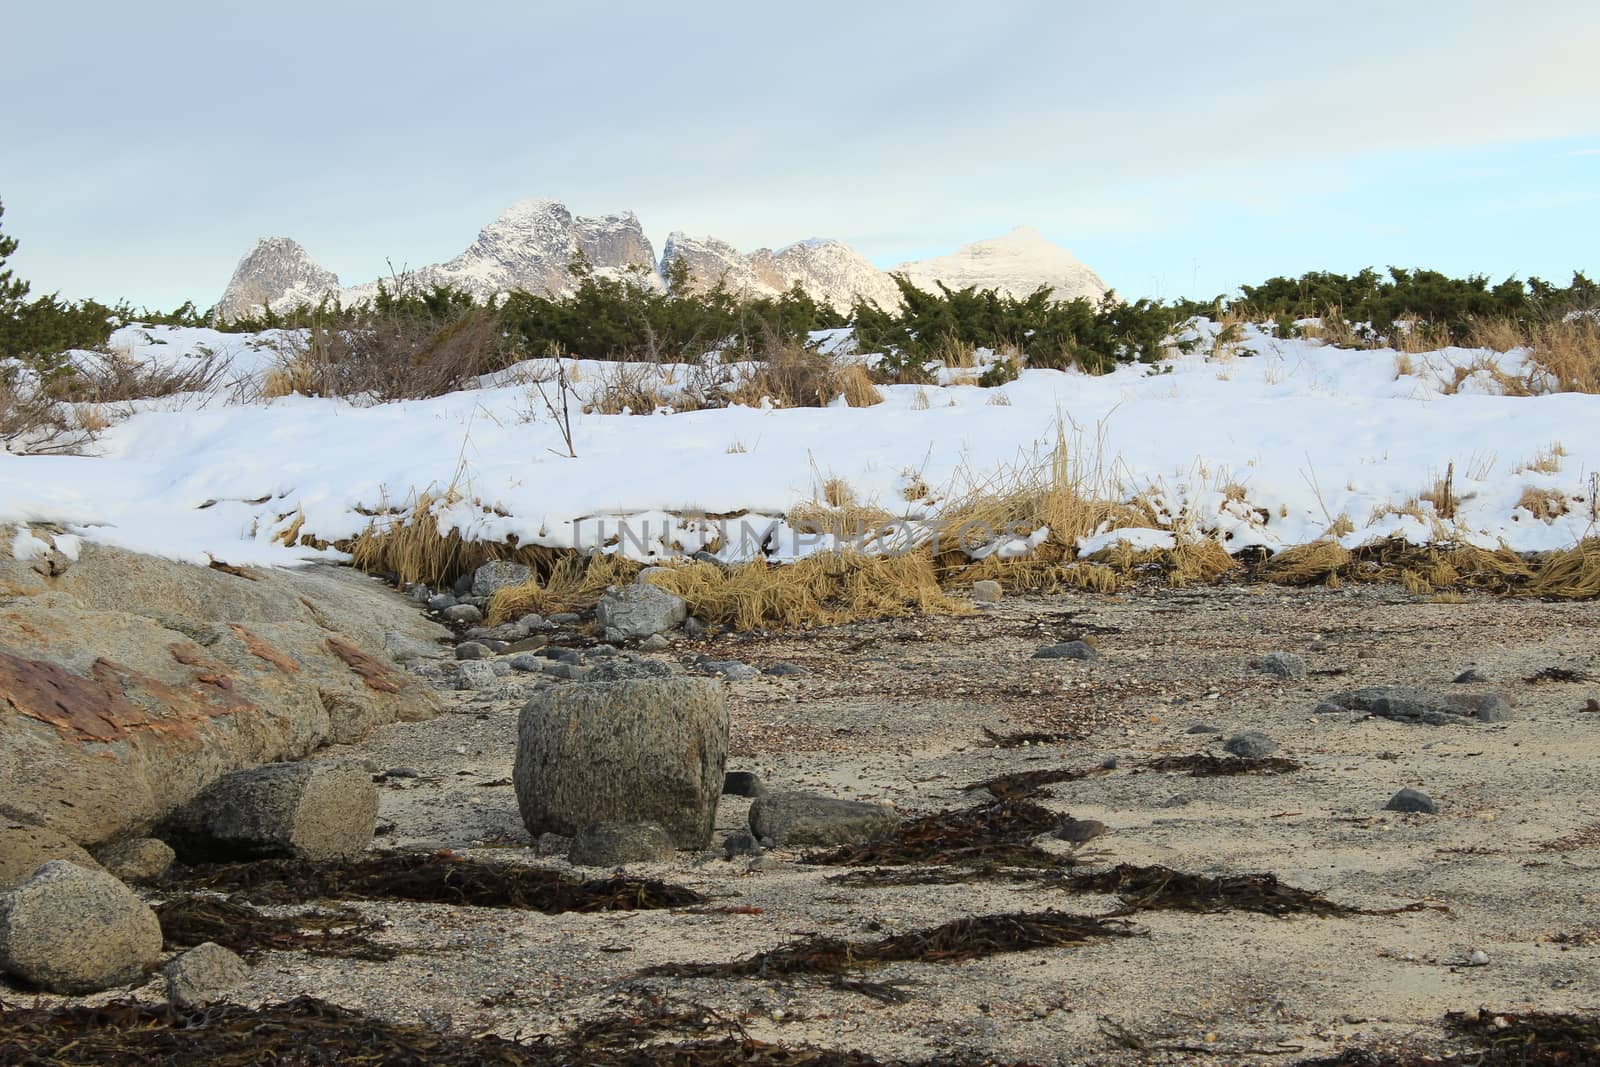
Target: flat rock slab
1079, 650
796, 820
1408, 704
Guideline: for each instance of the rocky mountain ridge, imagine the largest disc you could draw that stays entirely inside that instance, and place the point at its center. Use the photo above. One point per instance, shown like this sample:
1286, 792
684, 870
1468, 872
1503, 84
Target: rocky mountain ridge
533, 243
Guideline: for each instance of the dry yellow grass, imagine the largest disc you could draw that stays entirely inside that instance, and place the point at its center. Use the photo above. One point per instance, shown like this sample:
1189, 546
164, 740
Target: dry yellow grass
920, 401
953, 352
823, 590
998, 400
1571, 575
856, 385
1547, 505
1442, 494
1034, 575
572, 582
1565, 350
406, 542
1404, 366
1319, 561
1546, 460
1413, 336
625, 389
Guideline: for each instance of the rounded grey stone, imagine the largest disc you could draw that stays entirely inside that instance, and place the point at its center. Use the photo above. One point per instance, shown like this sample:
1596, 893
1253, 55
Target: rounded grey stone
806, 819
139, 859
204, 974
612, 844
497, 575
1251, 744
1078, 650
76, 931
463, 613
1079, 831
638, 750
743, 784
472, 650
1283, 665
1412, 800
441, 602
741, 843
654, 643
987, 592
640, 610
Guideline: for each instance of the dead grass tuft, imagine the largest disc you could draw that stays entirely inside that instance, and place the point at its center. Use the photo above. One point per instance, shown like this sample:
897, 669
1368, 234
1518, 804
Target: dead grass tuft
857, 387
1319, 561
571, 583
1571, 575
1547, 505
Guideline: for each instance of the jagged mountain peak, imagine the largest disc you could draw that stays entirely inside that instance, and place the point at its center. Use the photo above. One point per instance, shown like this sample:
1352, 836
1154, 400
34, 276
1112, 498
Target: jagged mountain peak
1017, 262
275, 269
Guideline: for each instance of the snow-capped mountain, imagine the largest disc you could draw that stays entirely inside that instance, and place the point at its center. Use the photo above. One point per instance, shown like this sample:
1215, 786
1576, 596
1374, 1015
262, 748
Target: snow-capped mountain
276, 271
532, 245
1017, 263
831, 272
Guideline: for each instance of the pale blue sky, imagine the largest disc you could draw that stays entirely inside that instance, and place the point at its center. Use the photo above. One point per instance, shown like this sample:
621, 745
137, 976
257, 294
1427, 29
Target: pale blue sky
1179, 149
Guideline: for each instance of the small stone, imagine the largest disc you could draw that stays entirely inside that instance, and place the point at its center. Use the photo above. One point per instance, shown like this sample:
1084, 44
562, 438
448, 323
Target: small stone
497, 575
206, 973
565, 618
1414, 800
1283, 665
786, 670
796, 819
693, 627
527, 662
472, 650
611, 844
1079, 831
1251, 744
741, 843
402, 772
654, 643
462, 586
1479, 958
731, 669
565, 671
1470, 675
441, 602
640, 610
139, 859
622, 668
743, 784
987, 592
463, 613
552, 844
603, 651
1203, 728
476, 675
1078, 650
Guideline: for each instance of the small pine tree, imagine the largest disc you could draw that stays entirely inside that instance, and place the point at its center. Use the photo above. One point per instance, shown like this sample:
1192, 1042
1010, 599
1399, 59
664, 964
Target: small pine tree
12, 290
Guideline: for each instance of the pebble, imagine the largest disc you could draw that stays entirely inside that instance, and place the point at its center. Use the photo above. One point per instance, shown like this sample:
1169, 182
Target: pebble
1283, 665
472, 650
1078, 650
654, 643
1412, 800
1251, 744
463, 613
1470, 675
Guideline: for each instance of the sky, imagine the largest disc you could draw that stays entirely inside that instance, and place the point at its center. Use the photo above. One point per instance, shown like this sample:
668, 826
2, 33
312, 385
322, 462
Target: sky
1179, 149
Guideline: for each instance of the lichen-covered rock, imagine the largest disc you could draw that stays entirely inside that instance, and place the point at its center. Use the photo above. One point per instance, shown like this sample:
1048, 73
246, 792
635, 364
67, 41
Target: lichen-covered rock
496, 575
1410, 704
75, 931
324, 810
641, 750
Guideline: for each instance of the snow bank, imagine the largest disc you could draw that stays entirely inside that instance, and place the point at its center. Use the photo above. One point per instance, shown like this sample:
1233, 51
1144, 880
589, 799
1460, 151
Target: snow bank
1265, 443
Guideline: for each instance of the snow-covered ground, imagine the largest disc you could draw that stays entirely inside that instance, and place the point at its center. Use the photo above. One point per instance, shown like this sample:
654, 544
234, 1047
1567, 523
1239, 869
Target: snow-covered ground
1268, 449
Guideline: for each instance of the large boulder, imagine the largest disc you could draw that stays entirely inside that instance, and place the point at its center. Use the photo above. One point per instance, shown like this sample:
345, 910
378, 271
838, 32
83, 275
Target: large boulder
138, 859
74, 931
641, 750
639, 610
325, 810
807, 820
128, 683
24, 849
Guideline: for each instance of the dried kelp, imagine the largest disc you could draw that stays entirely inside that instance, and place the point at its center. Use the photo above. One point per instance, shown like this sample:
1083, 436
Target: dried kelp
314, 1033
191, 919
1205, 765
961, 939
1509, 1039
1017, 740
1164, 889
431, 877
1019, 785
998, 833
